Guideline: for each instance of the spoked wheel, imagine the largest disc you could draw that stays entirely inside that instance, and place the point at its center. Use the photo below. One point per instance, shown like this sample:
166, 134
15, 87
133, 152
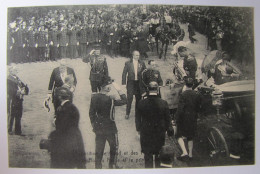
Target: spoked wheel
218, 148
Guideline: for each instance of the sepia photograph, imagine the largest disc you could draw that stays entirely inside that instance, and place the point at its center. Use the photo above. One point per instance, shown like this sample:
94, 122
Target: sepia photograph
129, 86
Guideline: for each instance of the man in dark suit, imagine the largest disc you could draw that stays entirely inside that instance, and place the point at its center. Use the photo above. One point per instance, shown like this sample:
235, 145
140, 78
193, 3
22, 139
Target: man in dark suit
152, 122
16, 89
133, 70
67, 147
102, 117
57, 79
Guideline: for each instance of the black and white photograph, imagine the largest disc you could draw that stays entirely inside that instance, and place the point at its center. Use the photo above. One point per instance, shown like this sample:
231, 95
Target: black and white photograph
130, 86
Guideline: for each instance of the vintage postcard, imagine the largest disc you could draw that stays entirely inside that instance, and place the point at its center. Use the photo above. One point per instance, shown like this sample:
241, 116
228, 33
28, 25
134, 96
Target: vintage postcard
130, 86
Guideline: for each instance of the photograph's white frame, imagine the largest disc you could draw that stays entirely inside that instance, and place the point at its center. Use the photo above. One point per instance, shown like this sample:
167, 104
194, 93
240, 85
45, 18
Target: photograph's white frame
4, 168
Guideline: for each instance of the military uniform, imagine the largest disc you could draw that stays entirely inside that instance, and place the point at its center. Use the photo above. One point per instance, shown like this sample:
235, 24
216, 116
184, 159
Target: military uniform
82, 37
42, 42
16, 89
54, 51
99, 71
20, 40
102, 117
31, 35
72, 48
63, 40
149, 75
190, 65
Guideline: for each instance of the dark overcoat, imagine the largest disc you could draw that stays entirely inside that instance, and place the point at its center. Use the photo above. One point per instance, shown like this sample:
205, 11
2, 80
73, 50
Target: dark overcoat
152, 120
67, 147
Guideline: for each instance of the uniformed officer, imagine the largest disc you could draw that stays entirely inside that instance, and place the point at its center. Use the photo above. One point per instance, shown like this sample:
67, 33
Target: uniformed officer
16, 89
42, 41
149, 75
189, 63
99, 68
63, 40
31, 35
72, 47
20, 40
83, 41
102, 117
53, 42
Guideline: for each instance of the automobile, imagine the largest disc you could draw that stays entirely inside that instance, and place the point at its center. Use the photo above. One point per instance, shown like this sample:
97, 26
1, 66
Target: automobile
228, 110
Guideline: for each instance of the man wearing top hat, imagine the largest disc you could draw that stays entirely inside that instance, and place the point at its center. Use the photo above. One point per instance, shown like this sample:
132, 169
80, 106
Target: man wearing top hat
99, 68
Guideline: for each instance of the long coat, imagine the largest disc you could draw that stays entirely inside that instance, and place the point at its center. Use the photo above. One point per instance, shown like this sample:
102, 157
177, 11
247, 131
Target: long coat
67, 147
187, 113
152, 120
142, 45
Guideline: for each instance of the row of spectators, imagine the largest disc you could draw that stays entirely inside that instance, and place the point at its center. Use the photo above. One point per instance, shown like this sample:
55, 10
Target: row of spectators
42, 33
227, 28
72, 31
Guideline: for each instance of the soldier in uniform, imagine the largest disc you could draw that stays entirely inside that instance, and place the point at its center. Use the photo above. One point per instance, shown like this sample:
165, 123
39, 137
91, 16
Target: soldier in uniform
31, 35
102, 117
53, 42
20, 42
42, 42
116, 41
16, 89
142, 45
83, 41
92, 36
149, 75
152, 122
189, 63
99, 69
63, 41
72, 47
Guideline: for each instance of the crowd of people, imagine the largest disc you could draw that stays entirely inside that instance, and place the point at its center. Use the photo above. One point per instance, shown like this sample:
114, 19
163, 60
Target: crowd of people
71, 33
124, 31
227, 28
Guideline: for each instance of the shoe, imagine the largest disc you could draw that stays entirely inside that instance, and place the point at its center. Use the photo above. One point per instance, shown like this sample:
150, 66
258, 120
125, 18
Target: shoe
10, 133
126, 117
234, 156
184, 158
190, 158
20, 134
